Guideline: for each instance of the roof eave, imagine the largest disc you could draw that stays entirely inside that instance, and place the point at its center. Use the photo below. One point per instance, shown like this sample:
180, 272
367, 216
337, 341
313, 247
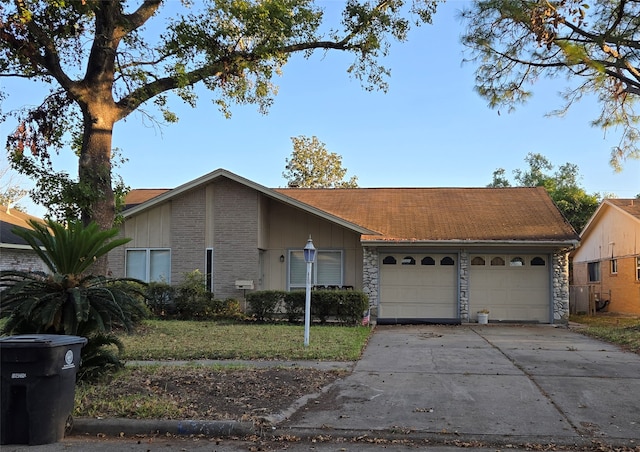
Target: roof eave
570, 243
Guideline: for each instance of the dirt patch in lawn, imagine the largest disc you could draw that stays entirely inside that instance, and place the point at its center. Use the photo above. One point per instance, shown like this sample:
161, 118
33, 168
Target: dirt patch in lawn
200, 392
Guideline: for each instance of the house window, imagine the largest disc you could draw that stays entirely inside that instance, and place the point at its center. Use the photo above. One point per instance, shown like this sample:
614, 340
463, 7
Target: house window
447, 261
327, 270
614, 266
638, 268
428, 261
594, 271
208, 265
497, 262
408, 260
478, 260
516, 262
538, 261
149, 265
389, 260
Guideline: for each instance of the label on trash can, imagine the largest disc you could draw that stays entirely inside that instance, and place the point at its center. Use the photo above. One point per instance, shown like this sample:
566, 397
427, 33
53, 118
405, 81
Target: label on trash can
68, 359
18, 375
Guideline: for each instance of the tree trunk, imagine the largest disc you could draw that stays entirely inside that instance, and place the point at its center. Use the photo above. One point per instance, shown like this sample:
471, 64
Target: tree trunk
94, 175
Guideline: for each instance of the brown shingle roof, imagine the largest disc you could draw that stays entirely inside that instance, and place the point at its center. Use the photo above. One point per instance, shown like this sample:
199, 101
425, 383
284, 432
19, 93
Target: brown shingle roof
140, 195
11, 218
434, 214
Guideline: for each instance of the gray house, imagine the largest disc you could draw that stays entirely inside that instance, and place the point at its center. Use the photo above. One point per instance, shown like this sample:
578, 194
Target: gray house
421, 254
15, 253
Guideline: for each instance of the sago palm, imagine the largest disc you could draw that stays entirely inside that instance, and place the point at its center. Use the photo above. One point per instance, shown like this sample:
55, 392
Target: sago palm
69, 299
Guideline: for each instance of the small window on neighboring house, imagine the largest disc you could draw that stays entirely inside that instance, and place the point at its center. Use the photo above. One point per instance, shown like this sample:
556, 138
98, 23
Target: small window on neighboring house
516, 262
478, 260
428, 261
497, 261
408, 260
539, 261
594, 271
447, 261
389, 260
614, 266
638, 268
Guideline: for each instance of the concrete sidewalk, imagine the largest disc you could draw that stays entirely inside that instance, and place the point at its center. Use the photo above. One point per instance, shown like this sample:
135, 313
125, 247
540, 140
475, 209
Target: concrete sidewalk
502, 384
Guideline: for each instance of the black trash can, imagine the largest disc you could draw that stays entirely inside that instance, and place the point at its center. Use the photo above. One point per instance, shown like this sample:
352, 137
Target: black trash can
38, 375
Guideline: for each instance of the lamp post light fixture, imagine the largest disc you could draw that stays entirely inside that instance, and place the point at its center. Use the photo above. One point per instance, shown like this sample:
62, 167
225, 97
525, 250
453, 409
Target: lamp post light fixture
309, 257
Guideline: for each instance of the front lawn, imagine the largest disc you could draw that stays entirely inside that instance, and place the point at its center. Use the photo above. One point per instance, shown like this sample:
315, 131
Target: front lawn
185, 340
615, 329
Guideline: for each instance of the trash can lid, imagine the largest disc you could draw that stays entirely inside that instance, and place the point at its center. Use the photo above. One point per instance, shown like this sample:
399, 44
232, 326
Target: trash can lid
41, 340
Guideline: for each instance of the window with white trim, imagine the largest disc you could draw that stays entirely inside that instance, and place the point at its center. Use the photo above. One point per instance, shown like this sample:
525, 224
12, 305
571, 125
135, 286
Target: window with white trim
148, 264
638, 268
327, 270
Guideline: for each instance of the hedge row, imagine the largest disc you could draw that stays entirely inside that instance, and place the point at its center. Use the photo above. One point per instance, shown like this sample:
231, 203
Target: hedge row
346, 306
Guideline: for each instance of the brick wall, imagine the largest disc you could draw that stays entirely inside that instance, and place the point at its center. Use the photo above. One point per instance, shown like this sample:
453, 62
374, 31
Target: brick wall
21, 260
188, 234
235, 237
622, 289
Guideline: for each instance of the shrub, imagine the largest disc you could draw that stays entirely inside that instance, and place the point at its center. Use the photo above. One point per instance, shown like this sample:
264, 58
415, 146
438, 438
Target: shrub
264, 305
294, 305
351, 306
192, 299
161, 299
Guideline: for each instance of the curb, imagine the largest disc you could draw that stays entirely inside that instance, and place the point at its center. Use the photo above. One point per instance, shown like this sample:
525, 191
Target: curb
119, 426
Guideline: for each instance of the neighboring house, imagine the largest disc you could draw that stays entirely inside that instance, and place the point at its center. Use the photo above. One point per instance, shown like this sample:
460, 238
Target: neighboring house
15, 253
421, 254
606, 266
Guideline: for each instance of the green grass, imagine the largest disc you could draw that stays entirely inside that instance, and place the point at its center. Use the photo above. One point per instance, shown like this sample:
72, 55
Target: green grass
184, 340
619, 330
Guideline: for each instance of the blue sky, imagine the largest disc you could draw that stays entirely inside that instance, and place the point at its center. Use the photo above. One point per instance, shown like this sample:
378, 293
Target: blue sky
429, 130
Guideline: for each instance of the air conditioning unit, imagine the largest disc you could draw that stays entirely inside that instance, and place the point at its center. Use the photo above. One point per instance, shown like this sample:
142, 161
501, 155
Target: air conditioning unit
244, 284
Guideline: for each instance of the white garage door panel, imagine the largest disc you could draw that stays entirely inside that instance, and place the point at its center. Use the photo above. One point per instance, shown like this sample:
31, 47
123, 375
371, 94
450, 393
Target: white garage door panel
511, 293
418, 291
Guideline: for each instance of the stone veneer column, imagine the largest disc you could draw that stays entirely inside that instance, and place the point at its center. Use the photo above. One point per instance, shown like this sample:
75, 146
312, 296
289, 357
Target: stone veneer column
464, 286
561, 287
370, 274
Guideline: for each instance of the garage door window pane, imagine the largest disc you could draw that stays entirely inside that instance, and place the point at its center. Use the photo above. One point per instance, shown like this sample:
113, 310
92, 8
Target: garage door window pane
516, 262
428, 261
389, 260
497, 261
539, 261
447, 261
408, 261
478, 260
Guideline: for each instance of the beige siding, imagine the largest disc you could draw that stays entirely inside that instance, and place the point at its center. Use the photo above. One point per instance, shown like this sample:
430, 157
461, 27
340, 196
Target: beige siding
150, 229
288, 228
614, 234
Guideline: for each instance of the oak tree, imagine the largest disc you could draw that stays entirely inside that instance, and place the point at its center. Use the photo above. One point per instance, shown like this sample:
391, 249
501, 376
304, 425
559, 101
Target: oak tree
311, 165
102, 62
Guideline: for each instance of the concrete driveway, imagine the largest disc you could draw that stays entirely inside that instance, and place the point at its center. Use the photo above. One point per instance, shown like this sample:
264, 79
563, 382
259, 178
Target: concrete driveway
499, 383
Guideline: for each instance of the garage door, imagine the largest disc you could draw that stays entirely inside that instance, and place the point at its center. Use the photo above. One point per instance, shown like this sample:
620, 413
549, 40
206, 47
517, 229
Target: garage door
511, 287
418, 286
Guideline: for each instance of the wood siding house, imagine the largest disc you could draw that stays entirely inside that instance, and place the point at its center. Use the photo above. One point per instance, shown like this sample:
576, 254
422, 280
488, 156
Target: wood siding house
606, 266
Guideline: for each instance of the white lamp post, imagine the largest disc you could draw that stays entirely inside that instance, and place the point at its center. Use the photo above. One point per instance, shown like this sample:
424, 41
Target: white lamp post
309, 258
